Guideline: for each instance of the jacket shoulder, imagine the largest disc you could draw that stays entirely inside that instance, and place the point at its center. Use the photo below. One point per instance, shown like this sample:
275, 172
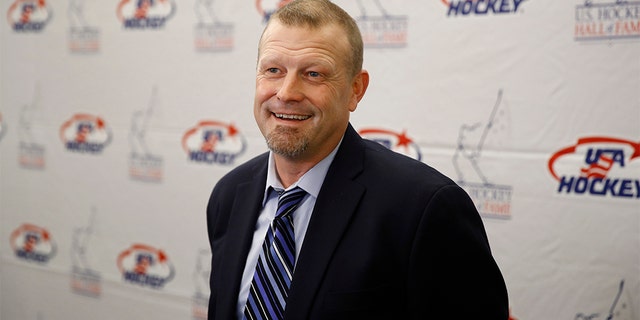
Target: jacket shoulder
394, 166
244, 172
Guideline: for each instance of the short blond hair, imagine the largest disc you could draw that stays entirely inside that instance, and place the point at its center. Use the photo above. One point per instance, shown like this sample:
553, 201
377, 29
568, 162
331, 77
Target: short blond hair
315, 14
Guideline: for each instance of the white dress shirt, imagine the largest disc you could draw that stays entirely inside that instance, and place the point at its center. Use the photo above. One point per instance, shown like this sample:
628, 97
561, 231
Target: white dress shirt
311, 182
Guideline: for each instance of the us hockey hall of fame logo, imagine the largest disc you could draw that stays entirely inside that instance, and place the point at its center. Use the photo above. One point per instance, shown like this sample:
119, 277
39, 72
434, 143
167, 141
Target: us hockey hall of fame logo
492, 200
200, 299
29, 15
381, 30
210, 33
84, 281
83, 38
595, 20
144, 165
33, 243
31, 154
620, 308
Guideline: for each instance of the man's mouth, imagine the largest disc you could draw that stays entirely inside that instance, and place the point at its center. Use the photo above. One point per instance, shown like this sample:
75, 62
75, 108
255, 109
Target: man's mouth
291, 116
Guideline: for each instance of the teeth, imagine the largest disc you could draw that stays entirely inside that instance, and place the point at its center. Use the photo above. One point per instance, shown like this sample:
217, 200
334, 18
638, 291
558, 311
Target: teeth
291, 116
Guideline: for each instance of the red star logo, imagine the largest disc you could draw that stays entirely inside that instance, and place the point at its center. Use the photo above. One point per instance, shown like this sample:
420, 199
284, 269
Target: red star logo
403, 140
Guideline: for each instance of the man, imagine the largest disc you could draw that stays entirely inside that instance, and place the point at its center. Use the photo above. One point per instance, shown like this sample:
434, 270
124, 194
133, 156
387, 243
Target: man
377, 235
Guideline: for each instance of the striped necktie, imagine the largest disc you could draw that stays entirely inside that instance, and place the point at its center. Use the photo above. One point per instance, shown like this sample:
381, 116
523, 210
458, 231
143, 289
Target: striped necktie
274, 271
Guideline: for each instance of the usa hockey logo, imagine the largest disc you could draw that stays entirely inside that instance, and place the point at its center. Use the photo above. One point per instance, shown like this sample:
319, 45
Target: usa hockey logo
607, 20
85, 133
481, 7
145, 14
604, 169
398, 142
214, 142
33, 243
145, 266
29, 15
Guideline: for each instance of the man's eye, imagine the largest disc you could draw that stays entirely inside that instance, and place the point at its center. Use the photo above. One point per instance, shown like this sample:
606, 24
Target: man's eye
272, 70
314, 74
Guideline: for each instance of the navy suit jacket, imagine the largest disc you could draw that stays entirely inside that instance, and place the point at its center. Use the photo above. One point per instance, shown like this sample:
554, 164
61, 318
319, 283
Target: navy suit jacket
389, 238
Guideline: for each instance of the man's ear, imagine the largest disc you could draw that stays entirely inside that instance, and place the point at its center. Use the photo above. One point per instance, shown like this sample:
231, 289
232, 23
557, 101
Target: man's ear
360, 84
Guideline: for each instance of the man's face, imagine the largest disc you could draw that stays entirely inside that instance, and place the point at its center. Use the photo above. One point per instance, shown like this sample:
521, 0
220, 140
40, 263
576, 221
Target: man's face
304, 91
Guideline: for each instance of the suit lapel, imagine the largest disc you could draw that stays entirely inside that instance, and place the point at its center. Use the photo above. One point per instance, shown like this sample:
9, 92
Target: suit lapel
336, 203
242, 221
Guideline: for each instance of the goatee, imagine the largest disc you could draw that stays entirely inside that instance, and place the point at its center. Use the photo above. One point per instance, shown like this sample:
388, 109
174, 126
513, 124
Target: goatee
287, 142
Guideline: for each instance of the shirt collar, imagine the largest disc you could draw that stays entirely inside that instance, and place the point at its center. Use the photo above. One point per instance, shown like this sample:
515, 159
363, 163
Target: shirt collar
311, 181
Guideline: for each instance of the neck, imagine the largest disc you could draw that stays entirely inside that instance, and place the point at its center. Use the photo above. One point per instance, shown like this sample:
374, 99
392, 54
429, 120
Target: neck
290, 170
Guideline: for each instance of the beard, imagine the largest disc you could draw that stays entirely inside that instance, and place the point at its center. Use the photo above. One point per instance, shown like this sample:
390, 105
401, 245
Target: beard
287, 142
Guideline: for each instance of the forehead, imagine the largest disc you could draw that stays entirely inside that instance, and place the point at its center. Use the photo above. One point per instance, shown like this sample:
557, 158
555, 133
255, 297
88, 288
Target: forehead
329, 39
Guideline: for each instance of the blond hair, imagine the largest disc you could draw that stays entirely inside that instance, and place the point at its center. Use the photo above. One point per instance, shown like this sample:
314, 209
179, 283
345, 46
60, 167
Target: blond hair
315, 14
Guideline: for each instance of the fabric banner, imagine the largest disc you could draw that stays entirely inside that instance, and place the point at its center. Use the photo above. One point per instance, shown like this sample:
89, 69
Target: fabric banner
118, 117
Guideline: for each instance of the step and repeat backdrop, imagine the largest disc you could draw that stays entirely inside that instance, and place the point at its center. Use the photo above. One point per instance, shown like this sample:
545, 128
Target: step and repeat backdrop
118, 117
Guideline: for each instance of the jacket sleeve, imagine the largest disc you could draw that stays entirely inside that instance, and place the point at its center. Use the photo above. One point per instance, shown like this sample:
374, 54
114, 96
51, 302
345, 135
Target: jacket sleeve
212, 213
452, 272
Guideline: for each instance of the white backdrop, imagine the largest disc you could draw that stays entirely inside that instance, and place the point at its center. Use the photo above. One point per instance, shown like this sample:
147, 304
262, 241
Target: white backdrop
533, 106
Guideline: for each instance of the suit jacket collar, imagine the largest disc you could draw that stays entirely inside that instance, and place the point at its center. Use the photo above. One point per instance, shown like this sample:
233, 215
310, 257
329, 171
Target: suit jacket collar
242, 221
336, 203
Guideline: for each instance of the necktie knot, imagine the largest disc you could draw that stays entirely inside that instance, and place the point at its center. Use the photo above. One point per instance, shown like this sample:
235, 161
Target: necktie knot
288, 201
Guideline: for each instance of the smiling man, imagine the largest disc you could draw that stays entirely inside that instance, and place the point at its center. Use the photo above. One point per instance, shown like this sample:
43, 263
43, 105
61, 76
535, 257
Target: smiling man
328, 225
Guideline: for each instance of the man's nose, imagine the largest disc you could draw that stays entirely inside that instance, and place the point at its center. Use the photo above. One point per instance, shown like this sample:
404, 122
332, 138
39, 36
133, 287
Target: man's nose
290, 88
